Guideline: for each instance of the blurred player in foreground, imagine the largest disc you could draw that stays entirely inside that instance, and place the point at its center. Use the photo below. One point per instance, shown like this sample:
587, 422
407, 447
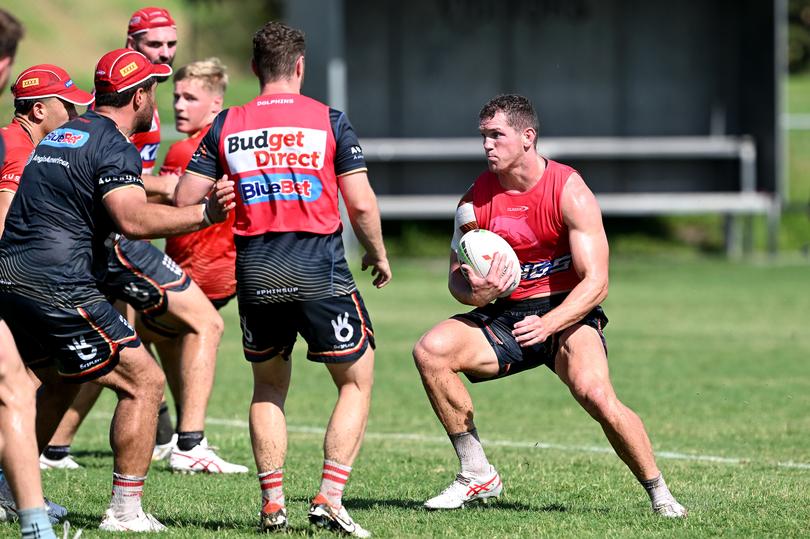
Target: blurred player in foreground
552, 220
22, 496
290, 156
82, 185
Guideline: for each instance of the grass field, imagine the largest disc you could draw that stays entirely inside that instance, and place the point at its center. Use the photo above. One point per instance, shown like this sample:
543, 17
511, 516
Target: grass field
712, 355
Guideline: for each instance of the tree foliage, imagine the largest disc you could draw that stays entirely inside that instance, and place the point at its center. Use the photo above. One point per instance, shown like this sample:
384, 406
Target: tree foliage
224, 28
798, 35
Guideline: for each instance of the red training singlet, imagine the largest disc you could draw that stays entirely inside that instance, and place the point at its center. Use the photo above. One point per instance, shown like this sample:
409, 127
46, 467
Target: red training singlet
18, 149
532, 223
283, 170
208, 255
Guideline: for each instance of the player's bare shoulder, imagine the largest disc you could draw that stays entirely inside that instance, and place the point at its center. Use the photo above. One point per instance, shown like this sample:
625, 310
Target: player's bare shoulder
577, 201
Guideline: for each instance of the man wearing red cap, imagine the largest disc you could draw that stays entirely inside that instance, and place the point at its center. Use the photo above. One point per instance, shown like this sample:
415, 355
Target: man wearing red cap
17, 393
153, 33
172, 310
45, 97
81, 186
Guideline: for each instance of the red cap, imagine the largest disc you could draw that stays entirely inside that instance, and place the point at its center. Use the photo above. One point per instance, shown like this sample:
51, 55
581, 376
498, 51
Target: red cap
122, 69
46, 80
147, 18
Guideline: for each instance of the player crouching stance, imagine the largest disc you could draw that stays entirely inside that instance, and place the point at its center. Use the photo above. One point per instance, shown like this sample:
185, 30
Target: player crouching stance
81, 185
552, 220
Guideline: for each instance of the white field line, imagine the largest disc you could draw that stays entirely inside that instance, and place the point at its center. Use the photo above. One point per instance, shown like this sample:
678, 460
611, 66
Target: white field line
413, 437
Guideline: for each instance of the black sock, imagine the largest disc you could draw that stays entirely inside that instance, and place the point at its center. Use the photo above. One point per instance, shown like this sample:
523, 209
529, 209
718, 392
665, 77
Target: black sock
56, 452
164, 426
188, 440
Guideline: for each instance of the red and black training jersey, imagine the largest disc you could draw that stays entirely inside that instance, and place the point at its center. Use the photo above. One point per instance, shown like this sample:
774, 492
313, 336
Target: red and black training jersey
286, 154
53, 246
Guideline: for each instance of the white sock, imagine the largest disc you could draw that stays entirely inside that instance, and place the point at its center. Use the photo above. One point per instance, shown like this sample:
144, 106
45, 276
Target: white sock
470, 452
333, 481
126, 496
657, 490
272, 491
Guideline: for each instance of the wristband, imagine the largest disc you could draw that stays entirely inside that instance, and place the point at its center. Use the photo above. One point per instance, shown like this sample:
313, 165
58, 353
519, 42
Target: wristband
206, 219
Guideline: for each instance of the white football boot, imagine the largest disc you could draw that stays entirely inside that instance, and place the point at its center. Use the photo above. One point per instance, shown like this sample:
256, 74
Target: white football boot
201, 458
66, 463
162, 451
143, 522
670, 509
468, 488
323, 515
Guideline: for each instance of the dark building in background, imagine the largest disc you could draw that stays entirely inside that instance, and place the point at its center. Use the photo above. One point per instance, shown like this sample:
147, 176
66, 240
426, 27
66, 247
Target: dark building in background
593, 68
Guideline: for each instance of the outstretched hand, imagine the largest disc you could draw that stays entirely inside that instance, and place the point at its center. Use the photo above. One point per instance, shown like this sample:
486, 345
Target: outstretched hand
380, 269
221, 200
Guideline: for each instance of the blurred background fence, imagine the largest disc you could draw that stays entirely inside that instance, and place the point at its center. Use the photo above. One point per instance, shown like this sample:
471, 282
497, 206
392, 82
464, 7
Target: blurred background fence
674, 113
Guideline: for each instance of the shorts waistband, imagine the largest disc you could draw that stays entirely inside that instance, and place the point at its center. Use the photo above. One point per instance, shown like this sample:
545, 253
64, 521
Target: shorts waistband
531, 304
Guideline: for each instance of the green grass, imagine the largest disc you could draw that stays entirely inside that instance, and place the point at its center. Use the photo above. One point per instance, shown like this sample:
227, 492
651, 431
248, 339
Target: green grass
711, 354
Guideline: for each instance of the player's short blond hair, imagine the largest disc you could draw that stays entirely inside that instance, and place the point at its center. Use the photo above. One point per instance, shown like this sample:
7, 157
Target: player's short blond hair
211, 71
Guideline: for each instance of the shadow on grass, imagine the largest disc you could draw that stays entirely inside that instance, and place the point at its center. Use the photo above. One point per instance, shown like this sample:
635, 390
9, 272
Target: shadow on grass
416, 505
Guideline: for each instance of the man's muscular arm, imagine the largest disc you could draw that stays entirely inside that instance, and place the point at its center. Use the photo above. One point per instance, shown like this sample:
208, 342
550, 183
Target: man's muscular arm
192, 189
136, 218
589, 251
364, 215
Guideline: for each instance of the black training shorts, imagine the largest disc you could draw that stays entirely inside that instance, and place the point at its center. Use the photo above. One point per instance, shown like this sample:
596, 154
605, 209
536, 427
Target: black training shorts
336, 329
140, 274
497, 320
84, 342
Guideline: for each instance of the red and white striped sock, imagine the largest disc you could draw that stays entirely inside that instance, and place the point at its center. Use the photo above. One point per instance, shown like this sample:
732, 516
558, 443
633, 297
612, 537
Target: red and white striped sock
333, 481
272, 490
126, 496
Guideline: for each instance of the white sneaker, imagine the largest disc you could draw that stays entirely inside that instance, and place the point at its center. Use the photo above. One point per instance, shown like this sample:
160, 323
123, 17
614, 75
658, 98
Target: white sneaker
323, 515
143, 522
201, 458
162, 451
670, 509
66, 463
467, 488
8, 508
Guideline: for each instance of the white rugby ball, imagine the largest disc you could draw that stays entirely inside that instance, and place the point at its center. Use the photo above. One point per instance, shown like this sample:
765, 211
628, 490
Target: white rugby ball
477, 248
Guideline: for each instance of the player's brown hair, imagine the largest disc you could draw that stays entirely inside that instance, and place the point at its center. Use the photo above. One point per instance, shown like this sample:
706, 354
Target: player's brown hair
11, 32
519, 112
211, 72
121, 99
276, 48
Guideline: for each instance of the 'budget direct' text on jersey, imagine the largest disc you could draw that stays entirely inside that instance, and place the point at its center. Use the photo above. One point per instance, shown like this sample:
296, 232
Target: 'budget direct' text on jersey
284, 152
53, 245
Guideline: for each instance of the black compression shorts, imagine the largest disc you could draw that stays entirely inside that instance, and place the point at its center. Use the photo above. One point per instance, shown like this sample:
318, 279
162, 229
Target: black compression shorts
336, 329
497, 320
84, 342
